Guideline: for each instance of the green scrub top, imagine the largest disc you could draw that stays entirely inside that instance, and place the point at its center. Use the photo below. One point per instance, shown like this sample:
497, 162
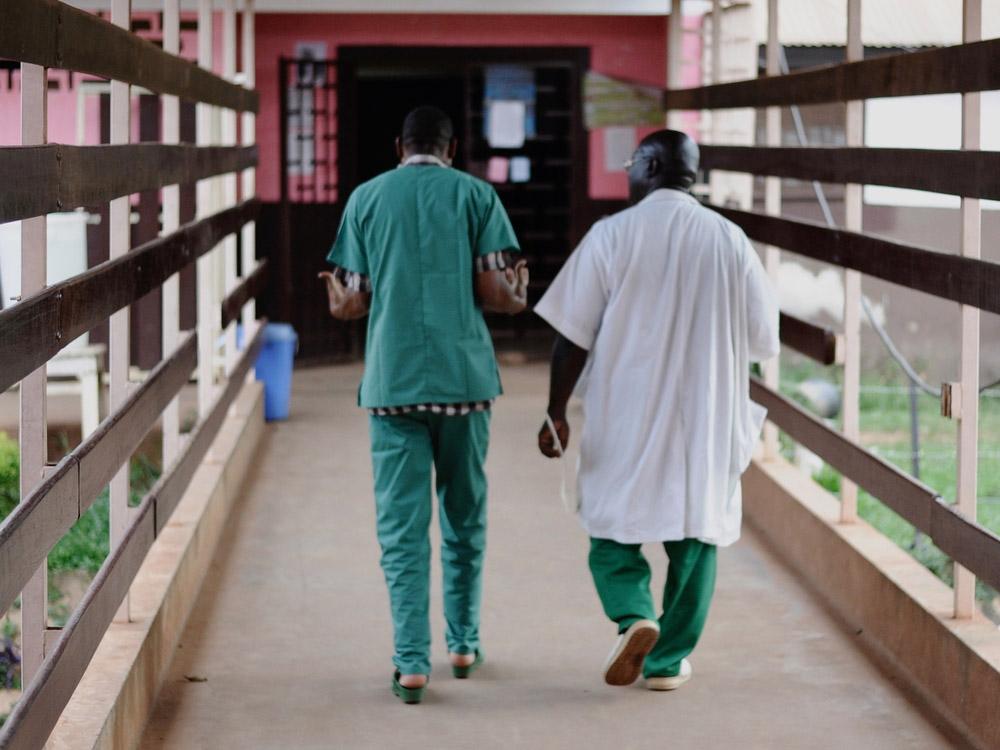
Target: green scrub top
414, 233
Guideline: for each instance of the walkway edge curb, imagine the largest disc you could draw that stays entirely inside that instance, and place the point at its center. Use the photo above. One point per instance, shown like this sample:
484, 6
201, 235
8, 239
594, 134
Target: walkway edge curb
116, 695
899, 611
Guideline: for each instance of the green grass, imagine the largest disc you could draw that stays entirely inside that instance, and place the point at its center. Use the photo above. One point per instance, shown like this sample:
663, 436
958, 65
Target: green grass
85, 546
885, 430
9, 491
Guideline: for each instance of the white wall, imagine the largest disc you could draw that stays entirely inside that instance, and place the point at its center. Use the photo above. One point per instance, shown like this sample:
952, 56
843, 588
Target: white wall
67, 254
933, 122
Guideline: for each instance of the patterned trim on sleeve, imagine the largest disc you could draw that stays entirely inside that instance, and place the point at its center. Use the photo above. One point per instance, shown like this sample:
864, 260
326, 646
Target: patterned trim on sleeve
497, 261
449, 410
352, 280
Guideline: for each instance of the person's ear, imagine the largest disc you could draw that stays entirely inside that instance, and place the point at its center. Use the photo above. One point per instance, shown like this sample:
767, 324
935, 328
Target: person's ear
452, 148
652, 167
399, 148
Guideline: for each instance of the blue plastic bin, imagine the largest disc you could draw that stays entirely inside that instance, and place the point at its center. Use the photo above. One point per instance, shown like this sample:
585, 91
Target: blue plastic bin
274, 369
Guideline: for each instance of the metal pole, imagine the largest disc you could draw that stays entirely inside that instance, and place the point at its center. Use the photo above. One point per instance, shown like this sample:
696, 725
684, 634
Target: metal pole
914, 431
918, 536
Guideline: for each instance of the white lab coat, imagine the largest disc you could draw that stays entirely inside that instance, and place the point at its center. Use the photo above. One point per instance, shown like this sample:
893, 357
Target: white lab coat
673, 304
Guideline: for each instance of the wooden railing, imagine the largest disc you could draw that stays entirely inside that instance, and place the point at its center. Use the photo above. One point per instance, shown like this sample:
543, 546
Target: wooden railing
975, 547
975, 174
965, 278
969, 281
948, 70
39, 178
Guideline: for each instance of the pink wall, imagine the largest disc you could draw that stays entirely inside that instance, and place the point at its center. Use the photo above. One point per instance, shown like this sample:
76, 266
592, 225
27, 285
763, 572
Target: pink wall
63, 100
626, 47
632, 48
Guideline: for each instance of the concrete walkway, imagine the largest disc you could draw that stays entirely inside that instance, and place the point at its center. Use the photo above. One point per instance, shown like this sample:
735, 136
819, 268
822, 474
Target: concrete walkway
289, 644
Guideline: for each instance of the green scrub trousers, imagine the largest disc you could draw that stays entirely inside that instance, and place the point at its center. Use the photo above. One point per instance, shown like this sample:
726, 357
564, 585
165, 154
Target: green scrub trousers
404, 449
621, 575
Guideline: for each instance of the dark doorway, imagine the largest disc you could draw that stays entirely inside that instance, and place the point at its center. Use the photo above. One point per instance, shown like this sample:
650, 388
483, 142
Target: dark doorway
549, 211
382, 103
373, 89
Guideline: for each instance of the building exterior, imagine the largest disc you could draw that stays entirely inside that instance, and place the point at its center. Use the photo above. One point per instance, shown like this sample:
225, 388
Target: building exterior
445, 54
379, 64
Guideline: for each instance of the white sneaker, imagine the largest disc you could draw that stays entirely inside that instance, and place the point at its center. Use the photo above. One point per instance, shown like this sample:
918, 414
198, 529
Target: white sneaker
625, 661
671, 683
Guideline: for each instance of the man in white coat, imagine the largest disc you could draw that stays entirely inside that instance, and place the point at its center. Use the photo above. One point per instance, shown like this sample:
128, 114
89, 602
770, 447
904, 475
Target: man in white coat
667, 304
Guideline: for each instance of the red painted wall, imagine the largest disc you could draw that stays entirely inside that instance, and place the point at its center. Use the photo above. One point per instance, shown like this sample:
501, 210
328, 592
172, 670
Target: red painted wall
63, 100
625, 47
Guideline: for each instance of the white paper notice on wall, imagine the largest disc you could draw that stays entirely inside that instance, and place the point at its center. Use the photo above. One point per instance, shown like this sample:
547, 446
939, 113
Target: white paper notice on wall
506, 124
520, 169
619, 145
497, 169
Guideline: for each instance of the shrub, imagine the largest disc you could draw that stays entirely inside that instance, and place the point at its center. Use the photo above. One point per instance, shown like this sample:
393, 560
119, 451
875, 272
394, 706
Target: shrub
9, 475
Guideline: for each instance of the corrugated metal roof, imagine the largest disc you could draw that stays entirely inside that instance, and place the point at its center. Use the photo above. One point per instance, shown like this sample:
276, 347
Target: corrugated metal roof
884, 23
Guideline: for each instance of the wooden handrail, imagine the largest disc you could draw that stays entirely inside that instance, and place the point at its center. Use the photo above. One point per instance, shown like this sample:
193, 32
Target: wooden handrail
35, 525
36, 713
965, 541
975, 174
250, 287
946, 70
41, 179
56, 35
965, 280
34, 330
169, 489
815, 342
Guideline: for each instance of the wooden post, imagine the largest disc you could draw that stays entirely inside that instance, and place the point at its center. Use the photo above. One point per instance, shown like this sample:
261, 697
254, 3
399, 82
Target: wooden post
208, 313
119, 230
171, 220
283, 268
249, 137
33, 422
772, 206
675, 58
229, 181
971, 247
716, 57
711, 120
853, 204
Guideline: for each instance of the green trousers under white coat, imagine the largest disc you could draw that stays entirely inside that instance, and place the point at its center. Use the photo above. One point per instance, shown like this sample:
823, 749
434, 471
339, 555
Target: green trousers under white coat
404, 450
621, 575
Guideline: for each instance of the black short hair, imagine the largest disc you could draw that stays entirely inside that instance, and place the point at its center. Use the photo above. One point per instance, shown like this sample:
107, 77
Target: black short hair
678, 156
427, 129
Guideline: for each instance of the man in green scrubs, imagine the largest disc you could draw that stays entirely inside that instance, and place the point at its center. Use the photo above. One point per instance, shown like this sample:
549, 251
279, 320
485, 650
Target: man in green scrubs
423, 250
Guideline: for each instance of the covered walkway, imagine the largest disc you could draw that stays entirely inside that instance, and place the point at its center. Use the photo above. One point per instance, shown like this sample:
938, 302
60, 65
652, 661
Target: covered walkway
289, 642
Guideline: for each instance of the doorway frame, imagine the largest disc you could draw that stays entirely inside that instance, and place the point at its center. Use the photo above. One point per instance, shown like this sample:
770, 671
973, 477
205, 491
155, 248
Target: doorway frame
351, 58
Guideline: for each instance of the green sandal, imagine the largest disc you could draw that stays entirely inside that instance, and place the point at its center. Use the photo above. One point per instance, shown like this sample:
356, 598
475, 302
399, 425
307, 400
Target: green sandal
408, 695
462, 672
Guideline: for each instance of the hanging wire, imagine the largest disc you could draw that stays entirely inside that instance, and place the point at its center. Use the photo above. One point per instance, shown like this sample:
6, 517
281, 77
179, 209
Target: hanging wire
883, 334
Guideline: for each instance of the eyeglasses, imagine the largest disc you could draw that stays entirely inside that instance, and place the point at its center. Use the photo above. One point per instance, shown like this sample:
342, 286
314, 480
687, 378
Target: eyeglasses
633, 161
